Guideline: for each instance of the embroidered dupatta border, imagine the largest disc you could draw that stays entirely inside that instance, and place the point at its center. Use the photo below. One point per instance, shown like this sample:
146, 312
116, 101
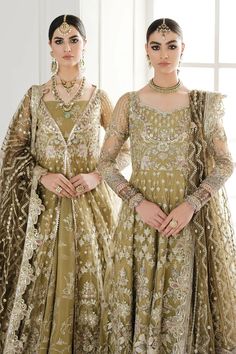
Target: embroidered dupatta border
213, 318
31, 211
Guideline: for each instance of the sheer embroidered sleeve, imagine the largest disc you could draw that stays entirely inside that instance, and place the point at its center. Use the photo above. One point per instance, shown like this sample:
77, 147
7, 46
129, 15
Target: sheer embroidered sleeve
123, 158
106, 109
116, 135
217, 149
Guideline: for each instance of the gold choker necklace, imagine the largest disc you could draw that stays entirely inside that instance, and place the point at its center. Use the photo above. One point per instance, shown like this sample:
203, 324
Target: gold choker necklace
68, 85
160, 89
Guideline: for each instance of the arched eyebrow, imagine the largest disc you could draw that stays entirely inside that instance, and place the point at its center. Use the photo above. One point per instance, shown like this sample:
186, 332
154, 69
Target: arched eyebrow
167, 43
75, 36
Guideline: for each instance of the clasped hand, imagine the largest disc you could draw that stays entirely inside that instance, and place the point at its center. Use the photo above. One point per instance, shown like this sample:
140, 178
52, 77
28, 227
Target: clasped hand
171, 224
70, 188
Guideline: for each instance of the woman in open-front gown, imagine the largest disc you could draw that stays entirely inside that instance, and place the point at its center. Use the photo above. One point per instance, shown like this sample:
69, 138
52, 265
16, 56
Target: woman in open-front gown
56, 213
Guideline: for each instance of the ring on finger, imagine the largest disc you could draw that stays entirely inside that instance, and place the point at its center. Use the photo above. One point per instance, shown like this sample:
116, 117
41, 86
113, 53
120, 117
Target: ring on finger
58, 189
80, 189
173, 223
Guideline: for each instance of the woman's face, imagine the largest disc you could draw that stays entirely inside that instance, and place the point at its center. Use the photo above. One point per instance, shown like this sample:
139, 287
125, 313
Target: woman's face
164, 51
67, 49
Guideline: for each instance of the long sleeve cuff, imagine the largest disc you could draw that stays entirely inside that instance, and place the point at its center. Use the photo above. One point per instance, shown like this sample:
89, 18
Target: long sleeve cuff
198, 198
130, 194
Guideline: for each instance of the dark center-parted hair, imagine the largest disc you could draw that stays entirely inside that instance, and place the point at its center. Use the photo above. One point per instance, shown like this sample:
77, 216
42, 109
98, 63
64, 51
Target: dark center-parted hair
173, 26
71, 20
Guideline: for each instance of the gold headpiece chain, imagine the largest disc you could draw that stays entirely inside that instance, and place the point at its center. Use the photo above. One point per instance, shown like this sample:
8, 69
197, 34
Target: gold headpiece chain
65, 28
163, 29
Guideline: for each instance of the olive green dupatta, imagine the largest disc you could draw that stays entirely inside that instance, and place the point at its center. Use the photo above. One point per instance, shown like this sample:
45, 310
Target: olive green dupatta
19, 210
213, 317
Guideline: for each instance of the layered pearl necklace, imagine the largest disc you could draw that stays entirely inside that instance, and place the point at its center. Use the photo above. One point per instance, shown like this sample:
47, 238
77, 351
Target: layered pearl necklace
67, 107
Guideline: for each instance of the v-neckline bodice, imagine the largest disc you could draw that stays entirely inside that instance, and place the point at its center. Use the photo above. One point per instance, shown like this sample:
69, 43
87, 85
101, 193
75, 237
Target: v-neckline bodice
80, 115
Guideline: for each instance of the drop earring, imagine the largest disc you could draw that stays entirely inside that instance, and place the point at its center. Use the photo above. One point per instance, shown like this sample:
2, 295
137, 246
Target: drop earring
180, 61
149, 61
54, 65
82, 63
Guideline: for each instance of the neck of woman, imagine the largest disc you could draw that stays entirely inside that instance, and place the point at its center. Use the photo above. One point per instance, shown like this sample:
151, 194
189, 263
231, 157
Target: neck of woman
69, 73
165, 80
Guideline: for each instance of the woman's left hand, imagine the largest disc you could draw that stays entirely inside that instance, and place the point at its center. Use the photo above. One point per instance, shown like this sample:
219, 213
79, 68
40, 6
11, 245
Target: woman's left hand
85, 182
177, 219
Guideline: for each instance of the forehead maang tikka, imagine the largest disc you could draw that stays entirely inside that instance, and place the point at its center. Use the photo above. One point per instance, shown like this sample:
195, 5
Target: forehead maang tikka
65, 28
163, 29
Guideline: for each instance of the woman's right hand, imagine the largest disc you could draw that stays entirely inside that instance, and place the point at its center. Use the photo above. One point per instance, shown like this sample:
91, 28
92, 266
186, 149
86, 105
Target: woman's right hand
58, 184
151, 214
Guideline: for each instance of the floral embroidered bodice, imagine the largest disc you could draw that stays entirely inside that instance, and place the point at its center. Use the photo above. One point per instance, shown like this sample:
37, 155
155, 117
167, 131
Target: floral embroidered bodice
160, 144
